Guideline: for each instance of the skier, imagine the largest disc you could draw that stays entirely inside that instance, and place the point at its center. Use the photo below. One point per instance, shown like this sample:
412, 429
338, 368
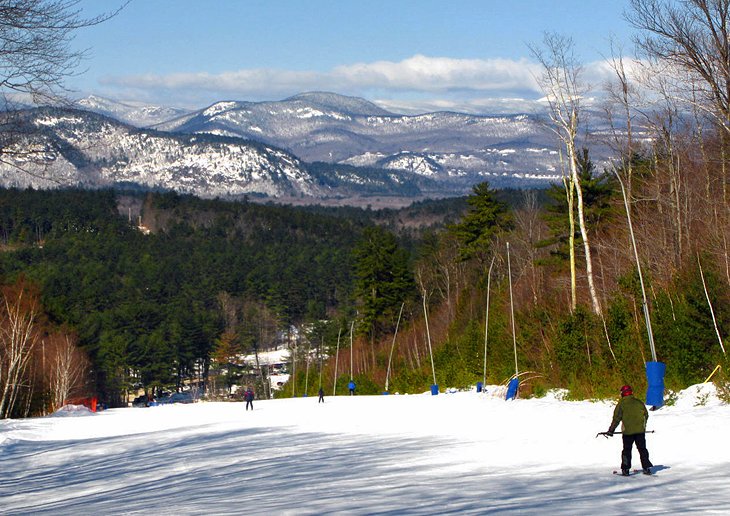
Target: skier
351, 386
248, 396
321, 395
632, 414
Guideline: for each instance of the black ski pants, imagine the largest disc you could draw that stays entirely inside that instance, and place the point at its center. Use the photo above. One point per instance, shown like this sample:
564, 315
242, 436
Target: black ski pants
640, 440
249, 403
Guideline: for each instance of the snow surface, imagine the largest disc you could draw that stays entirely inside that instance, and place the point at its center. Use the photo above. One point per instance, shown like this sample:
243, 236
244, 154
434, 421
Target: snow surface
455, 453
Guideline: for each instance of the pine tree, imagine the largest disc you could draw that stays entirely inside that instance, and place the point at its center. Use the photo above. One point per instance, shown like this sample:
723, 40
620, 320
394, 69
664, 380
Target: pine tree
486, 218
598, 190
382, 278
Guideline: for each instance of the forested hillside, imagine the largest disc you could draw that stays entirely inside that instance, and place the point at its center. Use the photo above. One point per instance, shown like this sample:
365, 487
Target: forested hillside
147, 307
150, 298
199, 282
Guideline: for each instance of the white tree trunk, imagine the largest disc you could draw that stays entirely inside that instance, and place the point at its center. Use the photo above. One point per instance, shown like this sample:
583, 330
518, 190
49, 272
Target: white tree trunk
17, 340
570, 144
67, 368
561, 82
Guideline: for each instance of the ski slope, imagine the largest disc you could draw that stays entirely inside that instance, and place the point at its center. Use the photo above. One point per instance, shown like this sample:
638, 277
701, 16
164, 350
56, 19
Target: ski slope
455, 453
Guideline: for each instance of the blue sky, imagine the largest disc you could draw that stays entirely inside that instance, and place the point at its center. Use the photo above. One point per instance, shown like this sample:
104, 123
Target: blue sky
407, 55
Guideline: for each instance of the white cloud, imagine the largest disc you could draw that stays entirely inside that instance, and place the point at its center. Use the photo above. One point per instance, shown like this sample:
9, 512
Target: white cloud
415, 75
418, 83
422, 73
476, 106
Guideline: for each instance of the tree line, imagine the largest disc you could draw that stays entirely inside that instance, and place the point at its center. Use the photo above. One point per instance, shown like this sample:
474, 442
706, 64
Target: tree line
148, 309
211, 281
629, 263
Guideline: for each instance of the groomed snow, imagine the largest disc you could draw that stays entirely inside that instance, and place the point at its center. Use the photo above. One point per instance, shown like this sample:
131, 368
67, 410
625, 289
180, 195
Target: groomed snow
455, 453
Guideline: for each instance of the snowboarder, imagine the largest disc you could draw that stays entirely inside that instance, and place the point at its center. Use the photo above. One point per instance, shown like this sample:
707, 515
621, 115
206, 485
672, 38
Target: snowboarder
632, 414
351, 386
248, 396
321, 395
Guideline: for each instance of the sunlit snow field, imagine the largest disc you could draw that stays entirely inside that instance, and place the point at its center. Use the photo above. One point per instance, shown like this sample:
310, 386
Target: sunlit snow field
457, 453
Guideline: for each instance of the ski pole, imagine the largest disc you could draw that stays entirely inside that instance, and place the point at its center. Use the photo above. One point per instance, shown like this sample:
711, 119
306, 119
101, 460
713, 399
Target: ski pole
605, 434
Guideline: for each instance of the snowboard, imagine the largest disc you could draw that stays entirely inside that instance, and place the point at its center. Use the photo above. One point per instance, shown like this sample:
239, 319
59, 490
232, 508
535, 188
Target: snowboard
631, 473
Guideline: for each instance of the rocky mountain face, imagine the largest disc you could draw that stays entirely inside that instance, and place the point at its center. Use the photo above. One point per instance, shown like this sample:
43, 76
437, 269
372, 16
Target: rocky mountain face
312, 145
134, 113
445, 146
51, 147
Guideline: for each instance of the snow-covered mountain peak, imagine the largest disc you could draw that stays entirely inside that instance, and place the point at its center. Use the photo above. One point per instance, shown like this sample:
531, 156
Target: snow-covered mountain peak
327, 101
336, 129
220, 107
134, 113
80, 148
332, 128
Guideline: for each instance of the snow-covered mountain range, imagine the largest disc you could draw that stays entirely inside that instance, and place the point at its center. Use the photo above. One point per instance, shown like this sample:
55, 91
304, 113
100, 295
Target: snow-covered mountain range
312, 145
137, 114
62, 147
334, 128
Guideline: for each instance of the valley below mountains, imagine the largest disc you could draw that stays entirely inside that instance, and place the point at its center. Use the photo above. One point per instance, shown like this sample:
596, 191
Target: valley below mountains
310, 147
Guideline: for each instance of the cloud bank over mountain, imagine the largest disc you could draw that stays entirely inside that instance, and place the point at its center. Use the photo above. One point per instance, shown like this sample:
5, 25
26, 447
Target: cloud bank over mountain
417, 84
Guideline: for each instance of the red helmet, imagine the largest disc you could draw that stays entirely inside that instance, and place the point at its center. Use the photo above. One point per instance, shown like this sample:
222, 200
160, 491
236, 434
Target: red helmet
626, 390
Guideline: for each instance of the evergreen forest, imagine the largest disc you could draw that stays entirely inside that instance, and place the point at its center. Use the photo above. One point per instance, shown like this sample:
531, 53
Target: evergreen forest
175, 295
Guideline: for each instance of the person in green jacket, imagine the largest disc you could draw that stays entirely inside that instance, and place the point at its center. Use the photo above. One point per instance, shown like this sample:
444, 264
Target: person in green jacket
632, 414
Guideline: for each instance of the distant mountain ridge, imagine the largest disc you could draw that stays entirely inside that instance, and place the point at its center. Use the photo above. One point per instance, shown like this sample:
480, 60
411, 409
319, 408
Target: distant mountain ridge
65, 147
319, 126
333, 128
337, 102
134, 113
313, 145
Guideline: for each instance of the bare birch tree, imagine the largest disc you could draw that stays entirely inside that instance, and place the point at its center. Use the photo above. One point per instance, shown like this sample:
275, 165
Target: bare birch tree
529, 233
692, 39
36, 57
66, 366
36, 54
561, 81
621, 96
692, 36
570, 198
18, 338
